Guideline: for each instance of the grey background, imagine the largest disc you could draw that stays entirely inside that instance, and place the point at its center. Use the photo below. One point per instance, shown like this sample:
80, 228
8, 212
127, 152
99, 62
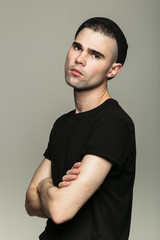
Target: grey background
34, 38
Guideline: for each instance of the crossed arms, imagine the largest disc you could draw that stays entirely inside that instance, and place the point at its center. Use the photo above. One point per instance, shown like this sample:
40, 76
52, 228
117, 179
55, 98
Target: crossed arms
62, 203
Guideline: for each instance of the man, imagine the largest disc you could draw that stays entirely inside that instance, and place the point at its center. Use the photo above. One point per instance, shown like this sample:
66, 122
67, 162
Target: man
84, 185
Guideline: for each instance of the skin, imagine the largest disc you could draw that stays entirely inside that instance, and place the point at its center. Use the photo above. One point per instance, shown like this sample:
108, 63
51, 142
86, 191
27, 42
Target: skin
94, 55
89, 63
92, 58
71, 175
32, 203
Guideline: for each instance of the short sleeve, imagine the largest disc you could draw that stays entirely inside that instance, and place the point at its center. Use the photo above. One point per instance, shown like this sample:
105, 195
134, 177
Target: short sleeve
109, 138
49, 150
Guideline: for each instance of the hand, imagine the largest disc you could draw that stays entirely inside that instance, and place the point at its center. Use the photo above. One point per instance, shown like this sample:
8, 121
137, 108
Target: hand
71, 175
44, 181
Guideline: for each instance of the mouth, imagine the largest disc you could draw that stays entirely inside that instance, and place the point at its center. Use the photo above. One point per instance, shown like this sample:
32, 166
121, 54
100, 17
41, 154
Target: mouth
76, 72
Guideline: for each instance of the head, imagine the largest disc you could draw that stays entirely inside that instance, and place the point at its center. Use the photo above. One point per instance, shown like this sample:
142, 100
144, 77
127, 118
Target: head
96, 55
108, 28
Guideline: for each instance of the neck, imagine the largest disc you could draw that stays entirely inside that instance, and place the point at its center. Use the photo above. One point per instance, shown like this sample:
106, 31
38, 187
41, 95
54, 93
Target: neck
86, 100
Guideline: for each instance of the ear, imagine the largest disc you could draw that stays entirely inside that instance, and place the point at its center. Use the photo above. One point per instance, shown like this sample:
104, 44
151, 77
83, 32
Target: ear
114, 70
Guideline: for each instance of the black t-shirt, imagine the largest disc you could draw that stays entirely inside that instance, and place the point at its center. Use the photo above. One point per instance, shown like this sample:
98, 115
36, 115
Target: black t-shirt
106, 131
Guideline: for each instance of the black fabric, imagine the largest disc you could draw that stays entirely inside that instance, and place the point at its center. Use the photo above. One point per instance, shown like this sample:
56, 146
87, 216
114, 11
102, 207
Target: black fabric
120, 37
106, 131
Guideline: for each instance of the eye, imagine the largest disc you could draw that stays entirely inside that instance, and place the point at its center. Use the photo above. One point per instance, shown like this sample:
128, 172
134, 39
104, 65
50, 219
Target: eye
77, 47
96, 56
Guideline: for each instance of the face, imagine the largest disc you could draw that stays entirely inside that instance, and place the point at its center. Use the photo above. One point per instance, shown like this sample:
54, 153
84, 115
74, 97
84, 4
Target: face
89, 61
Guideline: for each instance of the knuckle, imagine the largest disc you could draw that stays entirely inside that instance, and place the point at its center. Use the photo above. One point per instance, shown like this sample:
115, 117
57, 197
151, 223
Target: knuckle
68, 172
64, 177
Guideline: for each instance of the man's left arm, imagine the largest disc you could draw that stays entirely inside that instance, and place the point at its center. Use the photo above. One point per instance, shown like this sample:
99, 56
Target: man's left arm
62, 204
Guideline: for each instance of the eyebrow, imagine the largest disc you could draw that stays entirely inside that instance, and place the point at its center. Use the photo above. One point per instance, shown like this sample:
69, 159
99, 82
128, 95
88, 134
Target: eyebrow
77, 44
92, 51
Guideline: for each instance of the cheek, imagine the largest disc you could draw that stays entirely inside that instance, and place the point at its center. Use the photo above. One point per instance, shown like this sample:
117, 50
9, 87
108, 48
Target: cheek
68, 61
67, 57
70, 57
97, 69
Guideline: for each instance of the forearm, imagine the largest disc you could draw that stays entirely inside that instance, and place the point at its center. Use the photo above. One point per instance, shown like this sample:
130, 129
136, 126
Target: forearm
46, 199
33, 204
62, 204
53, 204
59, 204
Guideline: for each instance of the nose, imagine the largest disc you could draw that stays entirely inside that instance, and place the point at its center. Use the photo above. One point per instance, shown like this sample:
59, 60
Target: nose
81, 59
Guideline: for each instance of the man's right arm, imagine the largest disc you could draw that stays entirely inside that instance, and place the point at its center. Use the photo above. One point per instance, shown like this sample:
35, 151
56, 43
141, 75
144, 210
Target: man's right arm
32, 202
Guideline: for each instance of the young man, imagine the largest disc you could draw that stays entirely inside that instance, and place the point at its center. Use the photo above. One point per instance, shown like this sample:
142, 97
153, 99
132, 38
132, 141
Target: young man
84, 185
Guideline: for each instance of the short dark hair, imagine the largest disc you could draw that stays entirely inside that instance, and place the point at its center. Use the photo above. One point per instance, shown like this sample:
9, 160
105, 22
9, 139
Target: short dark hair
108, 28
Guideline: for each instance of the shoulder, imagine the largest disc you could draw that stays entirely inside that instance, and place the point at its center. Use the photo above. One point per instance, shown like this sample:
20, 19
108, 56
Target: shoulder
63, 118
112, 115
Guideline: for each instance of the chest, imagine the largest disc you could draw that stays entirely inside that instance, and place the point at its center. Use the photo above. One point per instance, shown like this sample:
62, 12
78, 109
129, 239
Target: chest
69, 143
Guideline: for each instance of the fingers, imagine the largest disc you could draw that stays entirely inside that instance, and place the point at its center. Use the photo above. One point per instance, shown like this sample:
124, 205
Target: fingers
63, 184
77, 165
73, 171
66, 179
71, 175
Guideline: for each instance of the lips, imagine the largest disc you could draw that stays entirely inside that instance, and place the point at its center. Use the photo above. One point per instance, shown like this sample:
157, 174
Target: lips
76, 72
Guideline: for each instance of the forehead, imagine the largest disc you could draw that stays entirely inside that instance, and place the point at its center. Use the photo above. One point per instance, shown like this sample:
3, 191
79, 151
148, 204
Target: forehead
88, 38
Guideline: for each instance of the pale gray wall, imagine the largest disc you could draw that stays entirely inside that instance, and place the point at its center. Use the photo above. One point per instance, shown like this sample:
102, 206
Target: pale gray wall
34, 38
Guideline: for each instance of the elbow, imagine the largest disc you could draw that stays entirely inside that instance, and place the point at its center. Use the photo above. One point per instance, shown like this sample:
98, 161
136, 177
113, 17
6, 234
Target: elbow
59, 215
28, 209
58, 219
58, 209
